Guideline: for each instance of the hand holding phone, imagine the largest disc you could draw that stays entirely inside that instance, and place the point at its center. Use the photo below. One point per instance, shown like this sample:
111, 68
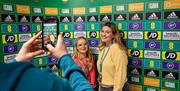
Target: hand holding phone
50, 31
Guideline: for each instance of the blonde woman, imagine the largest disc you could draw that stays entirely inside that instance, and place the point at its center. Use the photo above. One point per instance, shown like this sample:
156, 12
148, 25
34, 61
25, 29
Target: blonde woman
83, 57
112, 59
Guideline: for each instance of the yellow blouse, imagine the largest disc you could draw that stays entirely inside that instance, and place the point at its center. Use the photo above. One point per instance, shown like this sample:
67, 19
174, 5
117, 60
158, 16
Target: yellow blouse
114, 67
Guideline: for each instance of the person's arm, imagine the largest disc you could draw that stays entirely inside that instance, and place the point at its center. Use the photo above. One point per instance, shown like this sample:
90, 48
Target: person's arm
74, 74
120, 61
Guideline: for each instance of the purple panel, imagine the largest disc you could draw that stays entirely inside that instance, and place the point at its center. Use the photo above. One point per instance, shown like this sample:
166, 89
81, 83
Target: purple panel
135, 26
93, 42
135, 62
10, 48
79, 26
68, 42
171, 65
152, 45
24, 28
172, 25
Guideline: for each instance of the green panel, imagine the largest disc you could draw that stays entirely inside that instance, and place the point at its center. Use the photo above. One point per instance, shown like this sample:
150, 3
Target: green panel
121, 25
153, 25
93, 26
152, 63
136, 44
36, 27
170, 84
8, 28
66, 27
171, 45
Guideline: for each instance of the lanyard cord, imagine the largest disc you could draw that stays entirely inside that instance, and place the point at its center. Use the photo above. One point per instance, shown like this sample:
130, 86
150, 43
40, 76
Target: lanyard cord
86, 70
103, 57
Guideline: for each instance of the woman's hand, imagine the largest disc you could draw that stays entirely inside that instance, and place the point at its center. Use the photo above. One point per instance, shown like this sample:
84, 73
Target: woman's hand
30, 49
60, 49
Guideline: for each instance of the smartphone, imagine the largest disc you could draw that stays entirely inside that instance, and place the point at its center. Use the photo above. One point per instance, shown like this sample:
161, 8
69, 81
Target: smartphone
50, 31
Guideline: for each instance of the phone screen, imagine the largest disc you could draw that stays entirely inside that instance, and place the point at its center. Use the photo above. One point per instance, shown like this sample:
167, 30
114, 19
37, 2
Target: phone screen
50, 32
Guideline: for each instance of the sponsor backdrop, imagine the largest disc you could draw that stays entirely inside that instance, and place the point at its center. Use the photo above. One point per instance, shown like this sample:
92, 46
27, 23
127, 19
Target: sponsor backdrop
150, 31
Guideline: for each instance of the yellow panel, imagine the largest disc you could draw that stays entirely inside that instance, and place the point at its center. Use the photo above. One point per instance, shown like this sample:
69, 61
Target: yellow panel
51, 11
159, 35
96, 36
125, 35
23, 9
164, 90
134, 87
171, 4
136, 7
178, 55
105, 9
140, 56
79, 10
152, 82
4, 41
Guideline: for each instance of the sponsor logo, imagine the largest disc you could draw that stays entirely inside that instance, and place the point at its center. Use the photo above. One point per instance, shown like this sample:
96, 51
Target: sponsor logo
68, 42
152, 45
171, 35
93, 43
152, 73
65, 11
9, 38
135, 25
105, 18
153, 5
37, 10
22, 18
119, 17
135, 79
171, 55
172, 15
152, 35
153, 16
37, 18
92, 10
93, 34
170, 75
24, 28
78, 34
135, 71
79, 26
92, 18
8, 18
152, 54
65, 19
66, 34
120, 8
9, 58
172, 25
170, 65
10, 48
135, 62
79, 18
7, 7
135, 35
135, 53
24, 37
136, 16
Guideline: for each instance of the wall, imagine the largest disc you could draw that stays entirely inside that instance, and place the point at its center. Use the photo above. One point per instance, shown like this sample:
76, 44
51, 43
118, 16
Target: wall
150, 31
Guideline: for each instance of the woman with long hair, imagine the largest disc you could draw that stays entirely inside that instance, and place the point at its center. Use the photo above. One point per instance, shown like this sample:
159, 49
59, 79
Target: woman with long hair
112, 59
84, 58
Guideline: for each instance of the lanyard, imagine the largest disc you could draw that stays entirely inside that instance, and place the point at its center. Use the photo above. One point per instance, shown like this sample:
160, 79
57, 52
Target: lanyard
103, 57
86, 70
